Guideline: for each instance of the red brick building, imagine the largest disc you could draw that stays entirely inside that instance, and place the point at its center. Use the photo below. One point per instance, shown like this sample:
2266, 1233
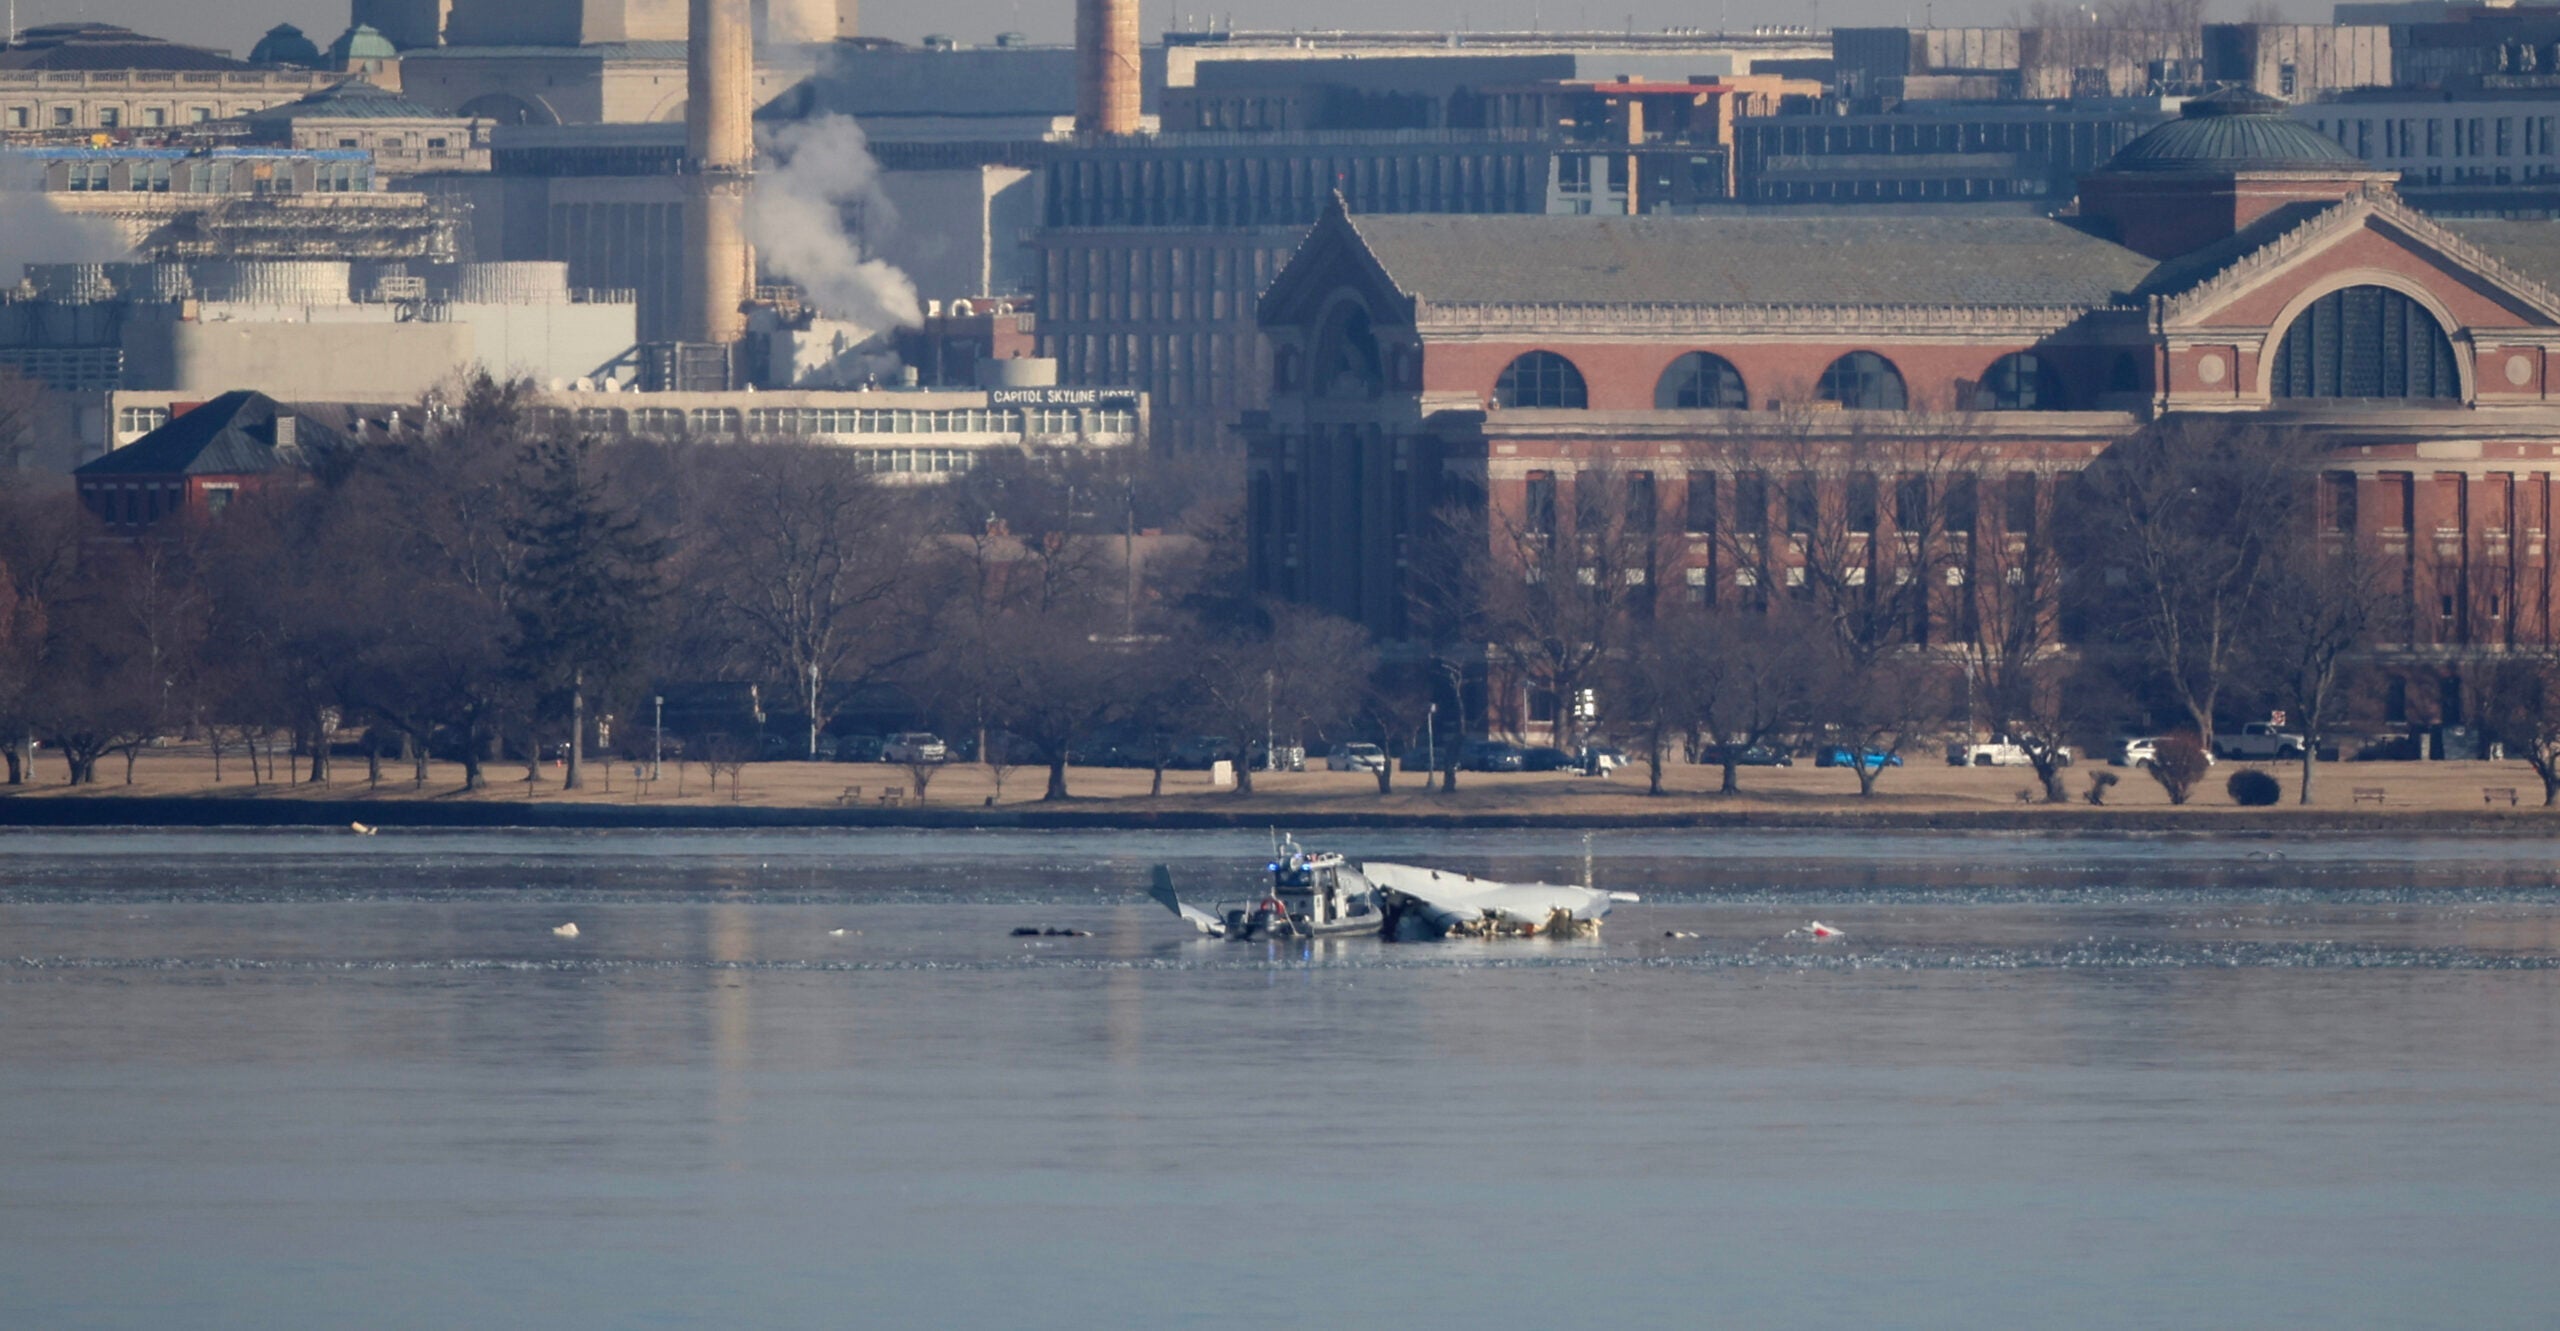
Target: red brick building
2229, 261
201, 460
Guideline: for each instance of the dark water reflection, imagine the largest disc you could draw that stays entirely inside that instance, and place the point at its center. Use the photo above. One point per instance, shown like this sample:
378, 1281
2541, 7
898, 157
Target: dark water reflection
272, 1080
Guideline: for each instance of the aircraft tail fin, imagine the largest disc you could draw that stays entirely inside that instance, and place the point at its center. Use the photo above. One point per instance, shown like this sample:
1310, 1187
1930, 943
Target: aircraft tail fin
1162, 890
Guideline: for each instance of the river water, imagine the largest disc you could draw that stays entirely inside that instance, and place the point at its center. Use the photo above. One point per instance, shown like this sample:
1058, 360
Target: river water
303, 1080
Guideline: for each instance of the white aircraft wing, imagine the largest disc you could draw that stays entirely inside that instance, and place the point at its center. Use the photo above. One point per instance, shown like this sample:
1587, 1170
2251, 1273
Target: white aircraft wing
1445, 896
1162, 890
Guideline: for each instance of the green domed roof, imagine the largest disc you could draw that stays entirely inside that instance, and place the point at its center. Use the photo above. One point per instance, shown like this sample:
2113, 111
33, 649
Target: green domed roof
284, 44
361, 42
2235, 130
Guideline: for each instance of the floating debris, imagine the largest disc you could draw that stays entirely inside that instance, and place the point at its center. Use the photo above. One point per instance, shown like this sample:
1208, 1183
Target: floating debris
569, 930
839, 933
1816, 930
362, 829
1680, 933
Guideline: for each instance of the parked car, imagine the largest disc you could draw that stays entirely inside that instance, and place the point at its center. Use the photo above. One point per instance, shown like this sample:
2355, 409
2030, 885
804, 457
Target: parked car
1356, 758
859, 749
2140, 751
1751, 755
2001, 751
1493, 755
2258, 739
1545, 759
915, 746
1837, 755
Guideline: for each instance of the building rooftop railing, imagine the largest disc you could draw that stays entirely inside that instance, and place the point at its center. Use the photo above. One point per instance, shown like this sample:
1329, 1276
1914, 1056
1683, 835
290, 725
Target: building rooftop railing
1309, 138
167, 78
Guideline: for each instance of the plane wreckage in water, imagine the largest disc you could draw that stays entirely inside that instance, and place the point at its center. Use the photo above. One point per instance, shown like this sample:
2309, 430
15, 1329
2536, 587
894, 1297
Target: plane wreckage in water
1317, 895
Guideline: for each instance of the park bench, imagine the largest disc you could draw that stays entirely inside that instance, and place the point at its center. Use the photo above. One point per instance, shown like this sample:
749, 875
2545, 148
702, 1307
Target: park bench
851, 795
2368, 794
2493, 794
891, 796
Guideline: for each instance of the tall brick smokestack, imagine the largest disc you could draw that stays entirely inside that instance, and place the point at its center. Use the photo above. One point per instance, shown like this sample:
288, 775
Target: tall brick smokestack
719, 120
1106, 66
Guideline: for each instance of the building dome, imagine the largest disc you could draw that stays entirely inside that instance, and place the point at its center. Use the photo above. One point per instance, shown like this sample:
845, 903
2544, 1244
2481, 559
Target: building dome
361, 42
284, 44
2235, 130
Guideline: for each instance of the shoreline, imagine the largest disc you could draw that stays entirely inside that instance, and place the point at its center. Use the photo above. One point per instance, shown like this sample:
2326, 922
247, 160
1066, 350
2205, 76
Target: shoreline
208, 812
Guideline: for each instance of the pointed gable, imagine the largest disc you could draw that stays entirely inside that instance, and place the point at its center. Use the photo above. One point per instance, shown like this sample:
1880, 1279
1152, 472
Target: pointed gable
1331, 255
2270, 268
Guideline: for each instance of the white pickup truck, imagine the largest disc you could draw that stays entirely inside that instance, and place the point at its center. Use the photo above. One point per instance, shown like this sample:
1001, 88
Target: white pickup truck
2258, 739
2001, 751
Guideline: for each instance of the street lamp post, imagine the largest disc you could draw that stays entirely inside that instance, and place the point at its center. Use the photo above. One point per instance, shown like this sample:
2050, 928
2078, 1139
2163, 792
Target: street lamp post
657, 732
1431, 746
813, 711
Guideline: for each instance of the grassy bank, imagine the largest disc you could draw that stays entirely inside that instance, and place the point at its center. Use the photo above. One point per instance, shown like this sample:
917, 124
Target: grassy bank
179, 788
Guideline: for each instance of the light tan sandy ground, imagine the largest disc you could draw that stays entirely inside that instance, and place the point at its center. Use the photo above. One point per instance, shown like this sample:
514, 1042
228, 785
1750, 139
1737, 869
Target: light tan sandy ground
1920, 788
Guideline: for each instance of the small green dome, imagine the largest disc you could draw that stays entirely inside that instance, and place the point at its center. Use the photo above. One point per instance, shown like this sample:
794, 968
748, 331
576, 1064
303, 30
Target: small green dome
361, 42
2235, 129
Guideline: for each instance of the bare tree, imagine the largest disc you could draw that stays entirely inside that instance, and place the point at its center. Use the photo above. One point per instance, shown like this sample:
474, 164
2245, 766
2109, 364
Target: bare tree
2521, 706
1654, 685
1751, 684
811, 568
2175, 528
2019, 670
2324, 601
1868, 534
41, 539
1305, 669
443, 504
96, 687
1396, 708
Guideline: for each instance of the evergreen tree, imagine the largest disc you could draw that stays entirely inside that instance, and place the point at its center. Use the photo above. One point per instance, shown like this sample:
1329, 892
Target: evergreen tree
588, 580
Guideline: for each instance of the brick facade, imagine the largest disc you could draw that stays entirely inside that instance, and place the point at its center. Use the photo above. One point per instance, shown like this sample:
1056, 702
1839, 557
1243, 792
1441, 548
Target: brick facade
2453, 485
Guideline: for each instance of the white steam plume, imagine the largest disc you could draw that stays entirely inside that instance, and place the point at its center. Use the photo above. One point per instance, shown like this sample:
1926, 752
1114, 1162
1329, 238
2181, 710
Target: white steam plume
32, 230
814, 198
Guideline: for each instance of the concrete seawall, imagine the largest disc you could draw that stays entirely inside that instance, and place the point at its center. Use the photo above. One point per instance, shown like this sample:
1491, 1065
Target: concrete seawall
164, 811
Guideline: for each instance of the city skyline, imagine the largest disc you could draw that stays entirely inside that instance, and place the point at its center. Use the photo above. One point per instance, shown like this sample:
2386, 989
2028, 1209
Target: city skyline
235, 25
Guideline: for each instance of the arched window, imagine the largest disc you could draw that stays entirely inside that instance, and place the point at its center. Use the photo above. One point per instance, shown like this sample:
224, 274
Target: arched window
1347, 364
2019, 381
2365, 342
1864, 381
1541, 379
1701, 380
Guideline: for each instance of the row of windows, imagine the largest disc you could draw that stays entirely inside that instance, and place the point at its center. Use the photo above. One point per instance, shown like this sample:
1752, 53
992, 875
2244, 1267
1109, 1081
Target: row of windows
792, 422
1745, 502
68, 369
1156, 283
218, 176
2446, 136
132, 504
2361, 342
1290, 188
1861, 381
108, 117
